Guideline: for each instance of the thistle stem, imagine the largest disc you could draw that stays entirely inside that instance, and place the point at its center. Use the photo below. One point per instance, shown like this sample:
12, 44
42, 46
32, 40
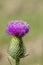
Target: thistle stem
17, 62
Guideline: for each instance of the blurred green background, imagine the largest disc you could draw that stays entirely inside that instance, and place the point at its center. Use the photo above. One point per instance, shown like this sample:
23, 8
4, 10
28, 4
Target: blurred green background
32, 12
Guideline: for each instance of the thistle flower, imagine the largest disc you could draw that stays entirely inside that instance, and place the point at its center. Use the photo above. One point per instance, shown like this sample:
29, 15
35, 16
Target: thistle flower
17, 29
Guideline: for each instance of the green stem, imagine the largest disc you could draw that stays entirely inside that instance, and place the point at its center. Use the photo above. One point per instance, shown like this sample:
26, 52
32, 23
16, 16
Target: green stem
17, 61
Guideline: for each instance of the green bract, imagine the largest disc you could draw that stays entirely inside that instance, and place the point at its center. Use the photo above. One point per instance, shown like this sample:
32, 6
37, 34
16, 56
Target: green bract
16, 49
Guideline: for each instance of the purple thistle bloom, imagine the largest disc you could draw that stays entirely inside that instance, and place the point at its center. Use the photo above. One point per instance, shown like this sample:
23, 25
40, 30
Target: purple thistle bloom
17, 28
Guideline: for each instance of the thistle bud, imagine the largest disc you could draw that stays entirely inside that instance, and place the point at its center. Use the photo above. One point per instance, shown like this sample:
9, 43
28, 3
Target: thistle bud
16, 49
17, 29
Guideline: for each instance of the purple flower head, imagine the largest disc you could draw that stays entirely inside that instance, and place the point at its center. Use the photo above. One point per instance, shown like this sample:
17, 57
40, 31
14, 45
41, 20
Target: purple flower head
17, 28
